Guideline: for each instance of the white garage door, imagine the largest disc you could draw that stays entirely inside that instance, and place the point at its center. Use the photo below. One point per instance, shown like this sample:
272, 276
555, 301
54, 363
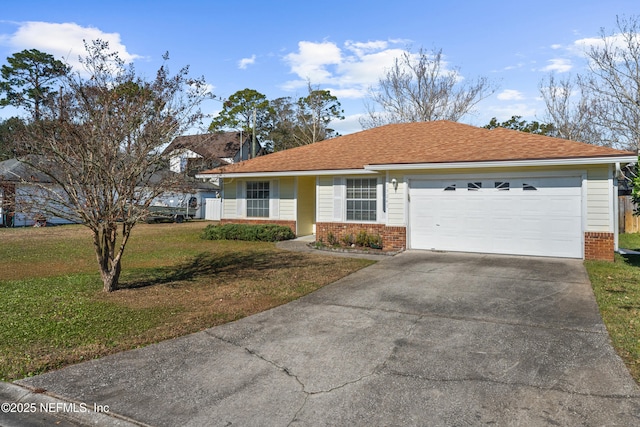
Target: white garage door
537, 216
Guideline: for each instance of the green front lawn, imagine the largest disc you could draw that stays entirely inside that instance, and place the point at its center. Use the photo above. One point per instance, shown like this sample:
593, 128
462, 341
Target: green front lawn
54, 312
617, 290
630, 241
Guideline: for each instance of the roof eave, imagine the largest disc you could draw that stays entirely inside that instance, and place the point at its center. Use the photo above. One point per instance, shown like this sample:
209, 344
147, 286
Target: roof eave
506, 163
373, 169
324, 172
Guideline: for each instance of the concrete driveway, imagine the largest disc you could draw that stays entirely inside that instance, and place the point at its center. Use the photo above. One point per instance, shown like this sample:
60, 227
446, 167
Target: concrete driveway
418, 339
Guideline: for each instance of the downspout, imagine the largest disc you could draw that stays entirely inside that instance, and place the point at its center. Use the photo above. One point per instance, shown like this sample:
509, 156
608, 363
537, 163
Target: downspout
616, 207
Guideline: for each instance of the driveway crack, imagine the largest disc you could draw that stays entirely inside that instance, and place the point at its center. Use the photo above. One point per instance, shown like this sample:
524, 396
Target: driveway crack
516, 384
425, 315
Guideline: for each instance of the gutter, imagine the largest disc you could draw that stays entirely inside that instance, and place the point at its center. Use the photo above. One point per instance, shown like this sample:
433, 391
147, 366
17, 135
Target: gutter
328, 172
374, 169
505, 163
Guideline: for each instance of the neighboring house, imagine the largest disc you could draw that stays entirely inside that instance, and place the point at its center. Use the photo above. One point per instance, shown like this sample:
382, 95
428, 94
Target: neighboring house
20, 185
438, 186
195, 153
192, 196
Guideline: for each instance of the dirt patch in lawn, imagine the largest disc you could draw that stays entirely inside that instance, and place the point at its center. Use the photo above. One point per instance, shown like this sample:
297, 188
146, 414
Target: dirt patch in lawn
173, 283
210, 290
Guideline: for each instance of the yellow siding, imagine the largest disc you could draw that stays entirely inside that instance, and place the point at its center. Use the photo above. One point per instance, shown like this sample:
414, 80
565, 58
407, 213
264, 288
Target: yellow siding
396, 201
598, 200
229, 207
596, 207
325, 199
286, 188
306, 205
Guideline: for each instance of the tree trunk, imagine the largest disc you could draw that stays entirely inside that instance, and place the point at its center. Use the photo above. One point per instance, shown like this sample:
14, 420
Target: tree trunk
104, 242
111, 277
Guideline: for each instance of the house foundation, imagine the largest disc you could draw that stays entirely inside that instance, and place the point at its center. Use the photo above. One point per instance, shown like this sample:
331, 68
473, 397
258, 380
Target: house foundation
598, 246
393, 238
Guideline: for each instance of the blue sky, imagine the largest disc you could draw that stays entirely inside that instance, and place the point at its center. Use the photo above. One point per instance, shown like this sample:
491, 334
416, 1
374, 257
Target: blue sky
275, 46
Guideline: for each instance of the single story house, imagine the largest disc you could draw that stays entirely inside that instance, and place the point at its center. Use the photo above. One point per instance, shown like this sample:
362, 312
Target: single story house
438, 186
18, 207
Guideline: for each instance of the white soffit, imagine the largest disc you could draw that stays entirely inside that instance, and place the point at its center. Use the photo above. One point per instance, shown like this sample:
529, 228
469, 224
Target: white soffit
506, 163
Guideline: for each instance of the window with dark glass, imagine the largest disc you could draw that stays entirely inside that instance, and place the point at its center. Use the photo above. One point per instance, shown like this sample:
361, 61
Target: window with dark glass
361, 199
258, 199
502, 186
474, 186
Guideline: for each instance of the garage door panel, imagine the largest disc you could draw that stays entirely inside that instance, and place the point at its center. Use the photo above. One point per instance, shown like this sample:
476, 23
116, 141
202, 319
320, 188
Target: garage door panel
498, 216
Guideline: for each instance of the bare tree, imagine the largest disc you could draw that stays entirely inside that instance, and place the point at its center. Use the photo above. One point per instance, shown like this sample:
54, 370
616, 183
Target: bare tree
614, 80
305, 121
572, 111
419, 88
314, 114
101, 151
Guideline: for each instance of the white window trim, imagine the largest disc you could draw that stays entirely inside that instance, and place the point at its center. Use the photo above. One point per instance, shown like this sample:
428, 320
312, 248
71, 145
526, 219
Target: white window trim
246, 200
379, 200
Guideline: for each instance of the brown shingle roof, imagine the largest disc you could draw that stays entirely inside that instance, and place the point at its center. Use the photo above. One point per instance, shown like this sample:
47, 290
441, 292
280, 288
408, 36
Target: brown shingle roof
209, 145
423, 142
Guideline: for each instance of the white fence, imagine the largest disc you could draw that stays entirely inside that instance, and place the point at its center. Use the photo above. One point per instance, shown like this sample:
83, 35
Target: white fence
213, 209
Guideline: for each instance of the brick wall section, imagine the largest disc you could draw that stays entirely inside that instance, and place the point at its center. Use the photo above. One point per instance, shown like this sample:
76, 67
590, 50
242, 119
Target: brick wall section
290, 224
393, 238
598, 246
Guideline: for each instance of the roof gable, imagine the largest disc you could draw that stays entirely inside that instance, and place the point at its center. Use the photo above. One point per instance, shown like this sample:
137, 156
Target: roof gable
208, 145
422, 142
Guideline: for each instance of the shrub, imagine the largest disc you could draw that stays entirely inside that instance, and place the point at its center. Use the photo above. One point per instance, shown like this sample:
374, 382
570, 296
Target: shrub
375, 241
348, 239
362, 239
332, 239
248, 232
369, 240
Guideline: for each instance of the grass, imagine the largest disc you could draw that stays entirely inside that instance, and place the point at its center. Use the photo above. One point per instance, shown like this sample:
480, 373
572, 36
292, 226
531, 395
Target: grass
54, 312
617, 290
630, 241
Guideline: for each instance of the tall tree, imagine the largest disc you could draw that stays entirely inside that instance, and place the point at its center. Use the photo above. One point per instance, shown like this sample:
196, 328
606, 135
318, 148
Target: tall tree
27, 79
572, 111
247, 110
283, 127
419, 88
517, 123
101, 147
614, 81
10, 131
315, 112
304, 121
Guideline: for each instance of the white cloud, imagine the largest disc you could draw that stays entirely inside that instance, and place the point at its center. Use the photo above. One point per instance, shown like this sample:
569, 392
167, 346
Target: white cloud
582, 45
361, 48
245, 62
366, 69
517, 66
63, 41
350, 124
559, 65
556, 46
614, 42
505, 112
510, 95
312, 60
349, 69
202, 89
